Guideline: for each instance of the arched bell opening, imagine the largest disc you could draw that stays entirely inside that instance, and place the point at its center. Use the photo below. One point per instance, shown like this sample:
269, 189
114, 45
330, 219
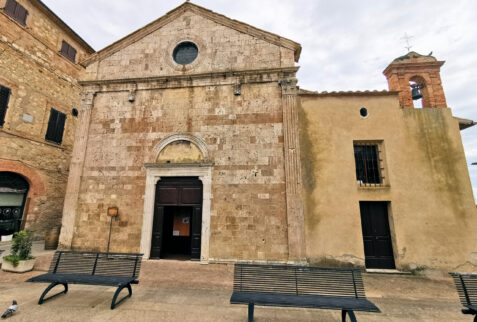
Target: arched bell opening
13, 194
419, 92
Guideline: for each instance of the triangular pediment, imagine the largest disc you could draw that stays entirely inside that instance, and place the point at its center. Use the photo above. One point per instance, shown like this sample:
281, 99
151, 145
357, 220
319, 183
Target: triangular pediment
206, 13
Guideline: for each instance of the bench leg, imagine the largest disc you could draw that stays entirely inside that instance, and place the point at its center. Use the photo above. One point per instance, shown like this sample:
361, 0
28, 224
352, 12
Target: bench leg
42, 297
251, 307
114, 303
352, 317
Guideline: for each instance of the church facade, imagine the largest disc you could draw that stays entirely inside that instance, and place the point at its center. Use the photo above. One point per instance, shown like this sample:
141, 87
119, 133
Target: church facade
194, 128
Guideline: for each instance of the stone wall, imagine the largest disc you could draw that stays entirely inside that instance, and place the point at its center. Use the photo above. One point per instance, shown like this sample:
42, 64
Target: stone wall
39, 79
245, 143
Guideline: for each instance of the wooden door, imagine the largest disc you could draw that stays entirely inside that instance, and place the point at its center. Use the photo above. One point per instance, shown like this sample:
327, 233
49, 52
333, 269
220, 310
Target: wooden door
196, 231
378, 248
157, 232
177, 192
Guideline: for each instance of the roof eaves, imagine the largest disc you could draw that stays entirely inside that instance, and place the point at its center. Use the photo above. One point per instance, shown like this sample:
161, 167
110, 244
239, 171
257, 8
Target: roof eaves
45, 9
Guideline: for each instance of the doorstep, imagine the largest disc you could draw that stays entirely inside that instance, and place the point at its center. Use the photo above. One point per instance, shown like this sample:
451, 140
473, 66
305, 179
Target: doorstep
386, 271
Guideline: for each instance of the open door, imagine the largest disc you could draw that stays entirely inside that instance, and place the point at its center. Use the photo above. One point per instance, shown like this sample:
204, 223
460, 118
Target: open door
177, 224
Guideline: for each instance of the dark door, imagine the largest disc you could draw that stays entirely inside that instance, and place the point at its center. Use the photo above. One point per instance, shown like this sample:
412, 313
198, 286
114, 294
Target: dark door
378, 248
196, 231
13, 193
177, 218
158, 223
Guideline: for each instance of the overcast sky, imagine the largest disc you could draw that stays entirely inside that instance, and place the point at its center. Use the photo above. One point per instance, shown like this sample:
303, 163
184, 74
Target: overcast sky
346, 43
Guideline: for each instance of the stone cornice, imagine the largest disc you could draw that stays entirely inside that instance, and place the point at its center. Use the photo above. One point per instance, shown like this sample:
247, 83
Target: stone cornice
194, 80
206, 13
178, 165
411, 66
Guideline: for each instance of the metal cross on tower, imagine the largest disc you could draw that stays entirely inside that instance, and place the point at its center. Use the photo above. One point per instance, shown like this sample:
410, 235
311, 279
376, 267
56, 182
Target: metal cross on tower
406, 39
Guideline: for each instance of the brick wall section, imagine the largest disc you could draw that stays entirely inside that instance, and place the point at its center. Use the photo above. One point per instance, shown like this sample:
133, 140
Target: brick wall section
425, 69
245, 141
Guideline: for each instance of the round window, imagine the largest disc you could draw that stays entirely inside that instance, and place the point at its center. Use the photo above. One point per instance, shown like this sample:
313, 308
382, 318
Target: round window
363, 111
185, 53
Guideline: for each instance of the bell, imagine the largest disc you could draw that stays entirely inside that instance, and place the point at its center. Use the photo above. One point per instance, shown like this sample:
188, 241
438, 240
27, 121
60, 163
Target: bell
416, 93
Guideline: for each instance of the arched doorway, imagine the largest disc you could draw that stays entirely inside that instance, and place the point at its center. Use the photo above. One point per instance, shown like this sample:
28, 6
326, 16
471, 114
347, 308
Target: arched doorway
13, 192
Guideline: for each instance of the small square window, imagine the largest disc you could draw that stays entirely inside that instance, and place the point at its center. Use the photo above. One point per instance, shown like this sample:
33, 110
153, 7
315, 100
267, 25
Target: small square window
368, 163
4, 98
16, 11
68, 51
56, 126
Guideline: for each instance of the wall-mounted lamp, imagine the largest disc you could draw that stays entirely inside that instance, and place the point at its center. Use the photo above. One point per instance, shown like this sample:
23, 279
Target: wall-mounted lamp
132, 96
112, 212
237, 88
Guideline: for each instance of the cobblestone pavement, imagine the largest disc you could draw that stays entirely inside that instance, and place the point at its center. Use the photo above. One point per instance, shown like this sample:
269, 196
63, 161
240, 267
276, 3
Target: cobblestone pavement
189, 291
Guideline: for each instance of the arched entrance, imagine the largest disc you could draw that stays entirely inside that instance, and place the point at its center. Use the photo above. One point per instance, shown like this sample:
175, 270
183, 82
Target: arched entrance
181, 167
13, 192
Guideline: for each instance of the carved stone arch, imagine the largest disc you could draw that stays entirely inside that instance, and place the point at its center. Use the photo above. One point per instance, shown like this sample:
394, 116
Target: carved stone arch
197, 141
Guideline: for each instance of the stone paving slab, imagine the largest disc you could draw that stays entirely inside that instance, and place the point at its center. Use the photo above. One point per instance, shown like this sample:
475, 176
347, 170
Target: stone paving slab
186, 291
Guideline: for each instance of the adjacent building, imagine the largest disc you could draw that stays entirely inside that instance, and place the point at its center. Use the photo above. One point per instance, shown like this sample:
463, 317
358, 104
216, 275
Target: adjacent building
39, 96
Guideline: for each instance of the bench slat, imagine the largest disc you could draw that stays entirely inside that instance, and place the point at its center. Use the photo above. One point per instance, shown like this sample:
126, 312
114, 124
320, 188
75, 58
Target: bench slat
298, 280
466, 285
322, 302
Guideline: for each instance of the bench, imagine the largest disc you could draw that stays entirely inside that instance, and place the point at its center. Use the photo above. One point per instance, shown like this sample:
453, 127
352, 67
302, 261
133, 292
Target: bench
300, 286
106, 269
466, 285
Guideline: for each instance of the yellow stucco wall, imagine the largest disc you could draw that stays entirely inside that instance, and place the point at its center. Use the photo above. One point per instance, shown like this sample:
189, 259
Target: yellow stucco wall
432, 211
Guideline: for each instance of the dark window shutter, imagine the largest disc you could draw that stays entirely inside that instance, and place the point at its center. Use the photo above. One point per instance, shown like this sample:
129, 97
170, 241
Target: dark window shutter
60, 127
10, 7
50, 132
72, 54
4, 97
68, 51
56, 126
21, 14
64, 48
16, 11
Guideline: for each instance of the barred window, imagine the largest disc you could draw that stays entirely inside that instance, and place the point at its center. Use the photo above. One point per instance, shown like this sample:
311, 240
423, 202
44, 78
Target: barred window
68, 51
4, 98
56, 126
16, 11
368, 169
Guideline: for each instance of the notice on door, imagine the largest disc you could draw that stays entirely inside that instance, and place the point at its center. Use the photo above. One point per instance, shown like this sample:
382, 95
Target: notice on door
181, 226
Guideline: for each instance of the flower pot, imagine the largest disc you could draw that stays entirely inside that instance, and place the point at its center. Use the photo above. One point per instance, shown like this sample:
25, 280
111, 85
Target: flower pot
22, 267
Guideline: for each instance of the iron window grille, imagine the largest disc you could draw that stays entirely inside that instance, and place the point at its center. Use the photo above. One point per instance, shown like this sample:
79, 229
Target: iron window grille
68, 51
16, 11
4, 98
368, 164
56, 127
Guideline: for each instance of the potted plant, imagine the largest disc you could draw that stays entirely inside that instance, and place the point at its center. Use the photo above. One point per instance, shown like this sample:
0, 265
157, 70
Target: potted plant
20, 259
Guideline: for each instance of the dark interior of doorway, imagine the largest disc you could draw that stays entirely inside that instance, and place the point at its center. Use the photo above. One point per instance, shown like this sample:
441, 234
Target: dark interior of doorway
177, 233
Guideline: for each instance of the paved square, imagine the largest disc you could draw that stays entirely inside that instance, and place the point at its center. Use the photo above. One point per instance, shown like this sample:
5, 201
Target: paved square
189, 291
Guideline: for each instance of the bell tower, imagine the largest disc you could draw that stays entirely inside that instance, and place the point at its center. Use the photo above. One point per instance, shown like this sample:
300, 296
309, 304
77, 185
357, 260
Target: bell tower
414, 75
